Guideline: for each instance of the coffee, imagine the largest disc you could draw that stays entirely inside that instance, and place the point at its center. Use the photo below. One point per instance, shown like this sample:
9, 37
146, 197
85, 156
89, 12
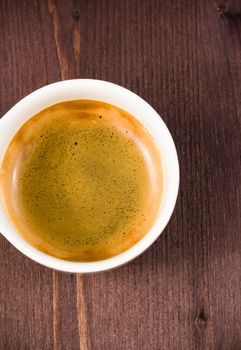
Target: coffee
82, 180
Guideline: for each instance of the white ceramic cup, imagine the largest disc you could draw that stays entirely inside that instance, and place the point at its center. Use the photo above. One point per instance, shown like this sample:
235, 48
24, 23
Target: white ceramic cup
125, 99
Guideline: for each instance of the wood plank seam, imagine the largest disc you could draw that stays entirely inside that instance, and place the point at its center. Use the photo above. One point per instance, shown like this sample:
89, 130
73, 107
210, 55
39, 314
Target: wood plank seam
81, 311
62, 59
56, 316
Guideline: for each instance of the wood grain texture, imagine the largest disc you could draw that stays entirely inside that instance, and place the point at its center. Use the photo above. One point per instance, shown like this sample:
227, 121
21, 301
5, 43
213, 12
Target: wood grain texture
185, 291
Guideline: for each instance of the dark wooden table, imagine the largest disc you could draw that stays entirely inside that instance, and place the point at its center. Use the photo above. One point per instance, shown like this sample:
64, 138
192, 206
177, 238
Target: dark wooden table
185, 291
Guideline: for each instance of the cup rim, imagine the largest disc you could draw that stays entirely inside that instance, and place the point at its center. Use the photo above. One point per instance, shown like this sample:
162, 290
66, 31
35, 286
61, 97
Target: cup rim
9, 231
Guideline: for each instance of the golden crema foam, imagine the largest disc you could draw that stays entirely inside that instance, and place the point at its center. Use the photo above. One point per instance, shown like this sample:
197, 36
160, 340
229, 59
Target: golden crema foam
82, 180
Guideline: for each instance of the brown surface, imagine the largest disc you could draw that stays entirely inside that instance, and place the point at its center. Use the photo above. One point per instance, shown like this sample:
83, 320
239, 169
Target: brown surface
231, 7
185, 291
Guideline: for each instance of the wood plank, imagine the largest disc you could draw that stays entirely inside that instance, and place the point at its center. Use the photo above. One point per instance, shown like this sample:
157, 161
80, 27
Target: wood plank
184, 292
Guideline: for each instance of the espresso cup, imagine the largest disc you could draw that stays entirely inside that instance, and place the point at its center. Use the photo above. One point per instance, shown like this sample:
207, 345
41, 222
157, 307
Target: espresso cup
116, 95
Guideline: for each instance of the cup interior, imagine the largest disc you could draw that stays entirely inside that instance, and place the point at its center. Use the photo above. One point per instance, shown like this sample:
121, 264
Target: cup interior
122, 98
